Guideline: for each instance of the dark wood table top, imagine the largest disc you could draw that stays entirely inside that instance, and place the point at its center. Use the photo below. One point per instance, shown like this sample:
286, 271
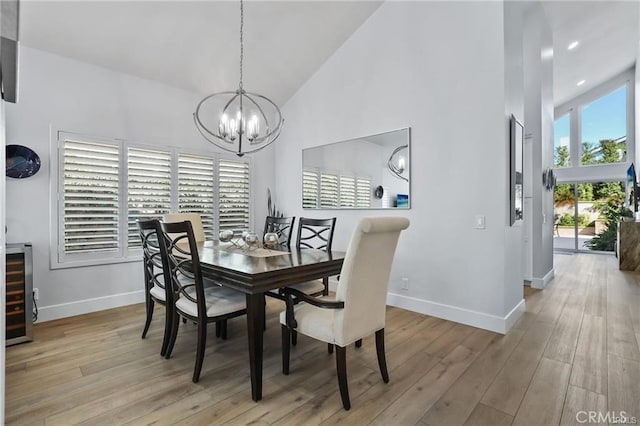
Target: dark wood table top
252, 274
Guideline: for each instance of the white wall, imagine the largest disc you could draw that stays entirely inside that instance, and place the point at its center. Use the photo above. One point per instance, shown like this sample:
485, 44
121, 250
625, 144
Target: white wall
538, 73
440, 69
56, 92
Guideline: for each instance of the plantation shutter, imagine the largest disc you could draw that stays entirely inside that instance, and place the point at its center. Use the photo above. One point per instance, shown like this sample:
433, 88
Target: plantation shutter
309, 189
363, 191
148, 188
347, 191
328, 190
233, 183
196, 189
90, 191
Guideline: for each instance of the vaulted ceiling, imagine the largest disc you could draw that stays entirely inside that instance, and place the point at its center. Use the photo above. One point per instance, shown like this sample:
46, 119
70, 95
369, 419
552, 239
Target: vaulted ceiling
195, 45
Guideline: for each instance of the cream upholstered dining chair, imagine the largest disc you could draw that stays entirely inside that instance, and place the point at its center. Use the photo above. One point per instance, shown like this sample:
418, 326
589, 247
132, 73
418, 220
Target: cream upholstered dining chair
194, 218
359, 306
191, 300
154, 277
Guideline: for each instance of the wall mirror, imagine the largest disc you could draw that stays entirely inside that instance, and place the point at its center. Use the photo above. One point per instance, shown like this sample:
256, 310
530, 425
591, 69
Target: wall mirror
371, 172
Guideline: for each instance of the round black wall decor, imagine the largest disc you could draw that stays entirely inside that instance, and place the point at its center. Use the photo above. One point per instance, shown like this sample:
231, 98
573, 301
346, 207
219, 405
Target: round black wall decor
21, 162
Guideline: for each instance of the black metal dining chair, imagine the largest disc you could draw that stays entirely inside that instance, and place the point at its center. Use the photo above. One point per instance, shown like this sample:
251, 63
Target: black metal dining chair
154, 277
191, 299
282, 227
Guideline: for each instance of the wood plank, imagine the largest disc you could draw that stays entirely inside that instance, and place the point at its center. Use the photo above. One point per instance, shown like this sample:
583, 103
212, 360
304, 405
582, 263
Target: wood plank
460, 399
590, 361
544, 400
510, 385
579, 405
411, 406
483, 415
624, 386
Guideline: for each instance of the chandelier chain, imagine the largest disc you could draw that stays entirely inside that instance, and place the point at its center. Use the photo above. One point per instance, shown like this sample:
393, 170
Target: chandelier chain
241, 39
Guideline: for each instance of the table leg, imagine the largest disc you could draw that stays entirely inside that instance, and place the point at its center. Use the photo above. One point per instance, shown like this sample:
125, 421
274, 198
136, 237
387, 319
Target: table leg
255, 329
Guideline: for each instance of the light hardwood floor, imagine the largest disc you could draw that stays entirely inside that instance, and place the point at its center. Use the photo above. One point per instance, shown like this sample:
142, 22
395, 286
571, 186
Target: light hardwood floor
575, 349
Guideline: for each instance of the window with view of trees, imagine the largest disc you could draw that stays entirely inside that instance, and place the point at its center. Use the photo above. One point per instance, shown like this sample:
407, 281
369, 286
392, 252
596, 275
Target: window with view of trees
604, 129
590, 140
561, 140
106, 186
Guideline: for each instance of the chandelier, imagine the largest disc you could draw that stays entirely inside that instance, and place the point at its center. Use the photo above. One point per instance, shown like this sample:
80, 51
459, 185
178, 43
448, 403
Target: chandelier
397, 163
238, 121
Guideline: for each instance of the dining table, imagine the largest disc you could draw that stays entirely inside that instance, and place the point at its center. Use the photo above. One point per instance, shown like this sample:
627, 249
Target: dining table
256, 271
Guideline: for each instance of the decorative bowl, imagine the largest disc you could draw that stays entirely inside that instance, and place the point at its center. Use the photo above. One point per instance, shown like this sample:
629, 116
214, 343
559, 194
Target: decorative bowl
251, 239
225, 236
271, 239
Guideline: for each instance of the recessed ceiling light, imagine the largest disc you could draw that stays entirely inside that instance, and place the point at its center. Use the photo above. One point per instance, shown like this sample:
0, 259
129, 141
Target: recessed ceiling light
573, 45
581, 82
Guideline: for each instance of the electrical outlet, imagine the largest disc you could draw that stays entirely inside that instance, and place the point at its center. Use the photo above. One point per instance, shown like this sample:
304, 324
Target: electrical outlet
36, 294
405, 283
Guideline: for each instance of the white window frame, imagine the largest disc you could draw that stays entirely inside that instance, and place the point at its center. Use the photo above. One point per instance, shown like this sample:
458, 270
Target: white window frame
58, 259
597, 172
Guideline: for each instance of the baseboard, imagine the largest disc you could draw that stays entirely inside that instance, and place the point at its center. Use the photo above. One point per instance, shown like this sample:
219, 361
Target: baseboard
464, 316
541, 283
63, 310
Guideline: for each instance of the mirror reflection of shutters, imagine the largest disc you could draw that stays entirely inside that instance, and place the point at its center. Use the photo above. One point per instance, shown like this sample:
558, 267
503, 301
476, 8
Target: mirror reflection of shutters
347, 191
328, 190
309, 189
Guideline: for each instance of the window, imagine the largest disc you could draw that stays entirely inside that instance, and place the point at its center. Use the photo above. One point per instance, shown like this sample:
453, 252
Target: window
196, 189
561, 141
328, 190
591, 131
233, 178
604, 129
309, 189
105, 186
91, 197
347, 191
148, 188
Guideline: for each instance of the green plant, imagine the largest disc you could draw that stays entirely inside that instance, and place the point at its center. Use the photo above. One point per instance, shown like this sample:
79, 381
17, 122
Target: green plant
568, 220
606, 240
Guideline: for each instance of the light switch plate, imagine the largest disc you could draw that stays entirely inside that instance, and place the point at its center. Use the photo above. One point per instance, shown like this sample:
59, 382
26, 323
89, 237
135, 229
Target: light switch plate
480, 222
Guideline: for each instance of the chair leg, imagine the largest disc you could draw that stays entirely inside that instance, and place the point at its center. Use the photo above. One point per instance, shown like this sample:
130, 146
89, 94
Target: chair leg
325, 282
147, 323
175, 323
330, 348
286, 339
359, 343
168, 325
341, 364
202, 342
218, 328
294, 337
382, 360
223, 332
